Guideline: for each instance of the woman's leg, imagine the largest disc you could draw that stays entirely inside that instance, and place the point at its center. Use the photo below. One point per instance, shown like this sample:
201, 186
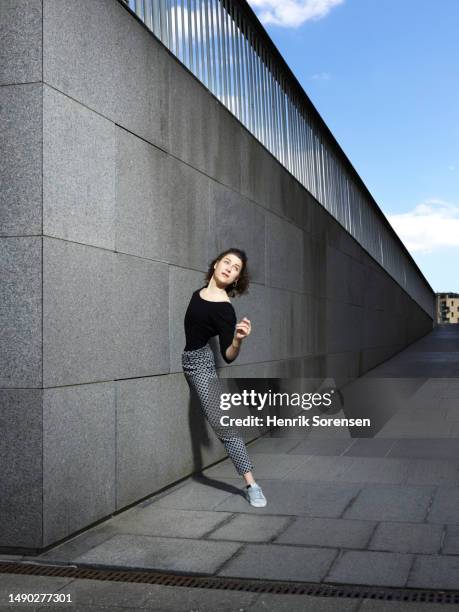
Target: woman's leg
248, 477
199, 369
237, 451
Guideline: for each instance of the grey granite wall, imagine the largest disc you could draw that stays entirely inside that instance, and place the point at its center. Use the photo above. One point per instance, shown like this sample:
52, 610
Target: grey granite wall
122, 178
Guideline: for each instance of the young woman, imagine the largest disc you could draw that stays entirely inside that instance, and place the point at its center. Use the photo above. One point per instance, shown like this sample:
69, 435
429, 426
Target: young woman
210, 313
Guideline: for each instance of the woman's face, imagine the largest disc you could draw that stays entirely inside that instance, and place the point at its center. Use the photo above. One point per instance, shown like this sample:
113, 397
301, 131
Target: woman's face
227, 270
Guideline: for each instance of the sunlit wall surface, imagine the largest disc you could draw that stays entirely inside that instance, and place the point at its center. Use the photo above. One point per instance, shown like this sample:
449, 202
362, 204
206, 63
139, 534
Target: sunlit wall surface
223, 44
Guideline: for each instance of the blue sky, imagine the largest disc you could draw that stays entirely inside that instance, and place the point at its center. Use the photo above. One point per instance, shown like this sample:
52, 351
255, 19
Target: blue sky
384, 75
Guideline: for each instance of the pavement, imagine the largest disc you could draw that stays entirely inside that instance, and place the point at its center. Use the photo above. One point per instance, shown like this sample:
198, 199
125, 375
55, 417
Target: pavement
380, 511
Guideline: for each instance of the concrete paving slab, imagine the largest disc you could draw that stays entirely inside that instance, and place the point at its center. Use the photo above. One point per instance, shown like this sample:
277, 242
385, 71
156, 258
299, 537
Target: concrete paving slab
336, 533
161, 553
79, 544
371, 447
298, 498
409, 428
278, 562
445, 506
147, 519
322, 446
202, 494
391, 503
78, 608
370, 605
451, 407
426, 449
272, 445
433, 388
432, 411
451, 541
337, 433
432, 472
250, 528
407, 538
452, 391
182, 599
376, 469
303, 603
266, 465
372, 568
154, 520
435, 572
323, 468
292, 433
449, 400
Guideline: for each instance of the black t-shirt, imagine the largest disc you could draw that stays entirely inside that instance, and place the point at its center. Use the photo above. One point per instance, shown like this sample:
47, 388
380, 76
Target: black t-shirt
205, 319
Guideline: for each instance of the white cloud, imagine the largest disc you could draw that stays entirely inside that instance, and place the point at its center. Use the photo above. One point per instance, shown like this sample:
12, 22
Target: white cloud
292, 13
321, 76
429, 226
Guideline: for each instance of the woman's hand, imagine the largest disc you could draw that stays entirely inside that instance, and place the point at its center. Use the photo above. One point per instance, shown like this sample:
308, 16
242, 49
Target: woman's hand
243, 329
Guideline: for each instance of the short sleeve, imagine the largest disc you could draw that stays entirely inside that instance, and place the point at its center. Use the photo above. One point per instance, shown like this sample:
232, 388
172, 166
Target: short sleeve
225, 323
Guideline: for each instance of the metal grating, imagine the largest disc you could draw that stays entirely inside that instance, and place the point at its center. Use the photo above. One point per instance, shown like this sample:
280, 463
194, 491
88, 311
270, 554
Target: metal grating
234, 584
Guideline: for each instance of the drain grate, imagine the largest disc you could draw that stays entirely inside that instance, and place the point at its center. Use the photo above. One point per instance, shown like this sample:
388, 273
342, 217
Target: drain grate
233, 584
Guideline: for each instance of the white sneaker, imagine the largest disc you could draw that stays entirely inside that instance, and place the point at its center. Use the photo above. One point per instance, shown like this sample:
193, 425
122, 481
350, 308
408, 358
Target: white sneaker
255, 496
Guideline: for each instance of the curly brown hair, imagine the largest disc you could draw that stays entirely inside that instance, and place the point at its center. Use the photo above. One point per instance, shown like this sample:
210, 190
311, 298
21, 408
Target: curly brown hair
243, 281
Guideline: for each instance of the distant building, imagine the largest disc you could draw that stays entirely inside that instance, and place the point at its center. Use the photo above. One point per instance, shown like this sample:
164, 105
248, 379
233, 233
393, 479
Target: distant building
447, 307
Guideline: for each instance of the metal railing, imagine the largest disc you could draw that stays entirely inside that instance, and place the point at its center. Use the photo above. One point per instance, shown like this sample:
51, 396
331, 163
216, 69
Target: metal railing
224, 45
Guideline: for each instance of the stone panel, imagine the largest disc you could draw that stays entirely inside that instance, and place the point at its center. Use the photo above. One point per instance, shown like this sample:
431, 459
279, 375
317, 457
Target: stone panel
295, 202
338, 275
21, 477
344, 324
21, 153
101, 56
79, 343
261, 175
21, 312
162, 205
315, 266
20, 35
78, 172
284, 254
141, 317
238, 222
106, 315
194, 120
148, 458
78, 458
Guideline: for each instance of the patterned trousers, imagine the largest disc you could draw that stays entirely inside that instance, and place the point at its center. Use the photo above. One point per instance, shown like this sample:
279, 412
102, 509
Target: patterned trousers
199, 369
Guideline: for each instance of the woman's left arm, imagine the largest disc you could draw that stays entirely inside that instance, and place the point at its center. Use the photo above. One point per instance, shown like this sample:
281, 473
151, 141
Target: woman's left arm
243, 329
